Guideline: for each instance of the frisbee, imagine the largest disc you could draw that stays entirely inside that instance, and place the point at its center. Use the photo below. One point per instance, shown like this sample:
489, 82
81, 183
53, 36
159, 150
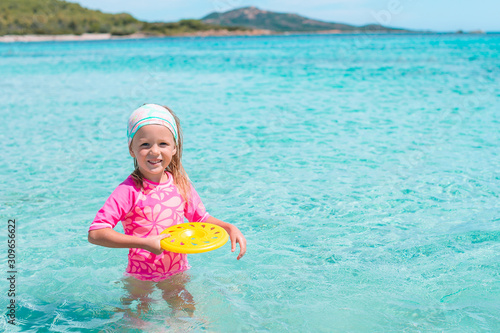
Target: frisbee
194, 237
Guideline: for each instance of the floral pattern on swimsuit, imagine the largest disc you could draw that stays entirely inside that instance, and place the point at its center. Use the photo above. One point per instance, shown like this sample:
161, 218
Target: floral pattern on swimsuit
148, 212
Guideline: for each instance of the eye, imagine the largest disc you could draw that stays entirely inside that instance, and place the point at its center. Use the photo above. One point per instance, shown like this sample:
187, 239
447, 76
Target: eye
164, 144
145, 144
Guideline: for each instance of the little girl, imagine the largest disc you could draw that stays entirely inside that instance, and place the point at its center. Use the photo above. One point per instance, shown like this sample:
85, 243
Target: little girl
155, 196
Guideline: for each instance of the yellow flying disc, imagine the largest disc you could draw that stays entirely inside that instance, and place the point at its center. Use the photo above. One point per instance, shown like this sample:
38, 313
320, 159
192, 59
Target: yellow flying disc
194, 237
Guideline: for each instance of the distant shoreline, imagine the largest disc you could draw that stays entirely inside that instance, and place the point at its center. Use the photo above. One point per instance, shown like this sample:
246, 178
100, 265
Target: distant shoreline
207, 33
108, 36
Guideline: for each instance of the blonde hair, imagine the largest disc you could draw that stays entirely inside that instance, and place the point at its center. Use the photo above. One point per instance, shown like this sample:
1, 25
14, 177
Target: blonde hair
181, 179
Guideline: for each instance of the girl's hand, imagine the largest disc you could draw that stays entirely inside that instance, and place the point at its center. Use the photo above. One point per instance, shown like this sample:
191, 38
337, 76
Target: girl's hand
234, 234
152, 244
110, 238
237, 237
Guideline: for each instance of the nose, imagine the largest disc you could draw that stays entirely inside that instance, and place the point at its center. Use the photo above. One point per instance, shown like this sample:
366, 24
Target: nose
155, 149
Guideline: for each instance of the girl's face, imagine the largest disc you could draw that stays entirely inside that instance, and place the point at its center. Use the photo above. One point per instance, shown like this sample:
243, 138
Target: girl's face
153, 147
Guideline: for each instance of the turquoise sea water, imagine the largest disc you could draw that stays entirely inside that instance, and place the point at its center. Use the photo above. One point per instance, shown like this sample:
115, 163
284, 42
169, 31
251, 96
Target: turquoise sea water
363, 171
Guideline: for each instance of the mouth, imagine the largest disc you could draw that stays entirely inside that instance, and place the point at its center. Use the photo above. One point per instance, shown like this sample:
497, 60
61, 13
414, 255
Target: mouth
155, 162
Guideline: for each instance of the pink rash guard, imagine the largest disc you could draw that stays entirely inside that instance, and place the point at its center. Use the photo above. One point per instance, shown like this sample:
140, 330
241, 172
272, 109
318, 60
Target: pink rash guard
148, 212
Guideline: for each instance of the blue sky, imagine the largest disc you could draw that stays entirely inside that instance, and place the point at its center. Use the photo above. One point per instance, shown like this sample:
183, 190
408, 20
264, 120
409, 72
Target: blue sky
437, 15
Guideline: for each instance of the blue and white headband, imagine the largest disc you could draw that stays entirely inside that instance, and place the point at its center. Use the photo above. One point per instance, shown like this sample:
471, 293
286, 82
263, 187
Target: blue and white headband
150, 114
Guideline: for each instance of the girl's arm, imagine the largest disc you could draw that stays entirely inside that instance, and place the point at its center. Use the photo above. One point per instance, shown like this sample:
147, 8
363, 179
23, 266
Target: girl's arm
109, 238
234, 234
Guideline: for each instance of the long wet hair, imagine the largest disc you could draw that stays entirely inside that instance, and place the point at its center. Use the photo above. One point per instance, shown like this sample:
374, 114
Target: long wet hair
181, 179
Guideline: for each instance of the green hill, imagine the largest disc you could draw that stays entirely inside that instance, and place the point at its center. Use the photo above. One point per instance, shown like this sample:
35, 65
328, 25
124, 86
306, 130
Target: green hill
252, 17
55, 17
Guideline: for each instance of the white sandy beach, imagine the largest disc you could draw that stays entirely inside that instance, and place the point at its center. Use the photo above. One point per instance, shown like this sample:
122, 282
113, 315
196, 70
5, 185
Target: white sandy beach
46, 38
107, 36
